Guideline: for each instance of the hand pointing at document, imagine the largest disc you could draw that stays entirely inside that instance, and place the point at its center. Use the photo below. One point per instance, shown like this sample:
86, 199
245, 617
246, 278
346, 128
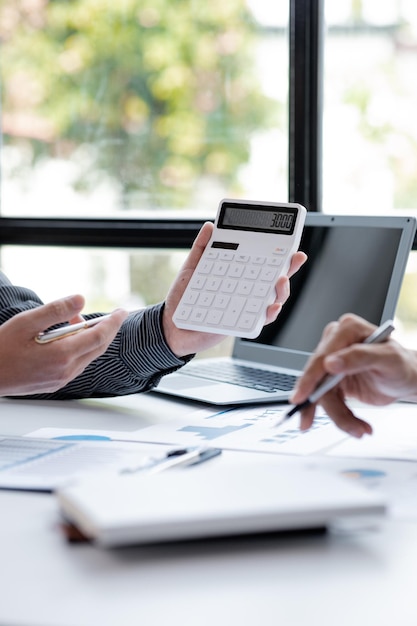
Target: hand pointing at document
375, 374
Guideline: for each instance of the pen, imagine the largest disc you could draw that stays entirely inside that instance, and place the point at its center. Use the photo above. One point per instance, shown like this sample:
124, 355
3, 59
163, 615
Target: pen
329, 381
175, 458
69, 329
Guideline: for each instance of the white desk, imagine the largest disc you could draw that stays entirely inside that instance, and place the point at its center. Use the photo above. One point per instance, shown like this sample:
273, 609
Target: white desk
361, 578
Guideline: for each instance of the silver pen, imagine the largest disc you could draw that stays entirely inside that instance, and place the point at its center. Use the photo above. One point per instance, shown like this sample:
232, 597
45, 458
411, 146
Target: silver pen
175, 458
69, 329
328, 382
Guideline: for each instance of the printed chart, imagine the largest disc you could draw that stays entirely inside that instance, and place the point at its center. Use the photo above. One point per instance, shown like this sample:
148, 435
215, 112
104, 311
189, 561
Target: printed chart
251, 429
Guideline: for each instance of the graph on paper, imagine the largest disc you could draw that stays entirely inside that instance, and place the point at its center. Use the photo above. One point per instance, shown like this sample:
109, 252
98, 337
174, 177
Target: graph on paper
247, 428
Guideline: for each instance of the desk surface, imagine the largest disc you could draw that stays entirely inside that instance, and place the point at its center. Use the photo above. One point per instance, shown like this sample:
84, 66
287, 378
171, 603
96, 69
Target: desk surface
366, 576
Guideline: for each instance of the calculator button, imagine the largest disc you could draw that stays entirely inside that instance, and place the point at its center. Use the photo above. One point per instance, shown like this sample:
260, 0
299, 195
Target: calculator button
212, 254
198, 315
214, 317
191, 297
221, 301
281, 250
244, 288
226, 255
205, 299
268, 273
236, 270
228, 285
276, 261
246, 321
253, 305
183, 313
258, 260
233, 312
205, 267
242, 258
213, 284
252, 272
261, 289
198, 282
220, 269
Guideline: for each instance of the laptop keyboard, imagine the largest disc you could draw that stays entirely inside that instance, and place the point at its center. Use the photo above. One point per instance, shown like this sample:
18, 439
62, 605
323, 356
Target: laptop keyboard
243, 376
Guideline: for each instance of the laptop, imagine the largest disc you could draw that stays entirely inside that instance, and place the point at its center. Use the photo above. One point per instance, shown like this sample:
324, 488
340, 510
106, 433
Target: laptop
237, 499
355, 264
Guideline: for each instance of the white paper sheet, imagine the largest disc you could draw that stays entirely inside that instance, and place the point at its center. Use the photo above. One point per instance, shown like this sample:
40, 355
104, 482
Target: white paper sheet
250, 429
254, 429
394, 434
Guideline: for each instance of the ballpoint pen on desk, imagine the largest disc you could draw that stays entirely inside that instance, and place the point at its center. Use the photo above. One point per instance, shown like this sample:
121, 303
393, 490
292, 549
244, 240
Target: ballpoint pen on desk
175, 458
328, 382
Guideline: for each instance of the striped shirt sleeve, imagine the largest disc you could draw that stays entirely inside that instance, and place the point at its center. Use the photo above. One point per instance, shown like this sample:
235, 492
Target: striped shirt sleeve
134, 362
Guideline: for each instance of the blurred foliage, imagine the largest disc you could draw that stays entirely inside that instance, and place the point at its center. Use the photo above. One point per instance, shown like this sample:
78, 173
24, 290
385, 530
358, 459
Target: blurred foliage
151, 275
153, 94
407, 304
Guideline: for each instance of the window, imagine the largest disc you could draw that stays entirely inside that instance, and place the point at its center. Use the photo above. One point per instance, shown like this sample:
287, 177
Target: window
369, 121
142, 106
370, 95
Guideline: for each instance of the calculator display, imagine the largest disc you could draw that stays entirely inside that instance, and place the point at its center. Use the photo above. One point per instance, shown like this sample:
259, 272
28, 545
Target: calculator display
263, 219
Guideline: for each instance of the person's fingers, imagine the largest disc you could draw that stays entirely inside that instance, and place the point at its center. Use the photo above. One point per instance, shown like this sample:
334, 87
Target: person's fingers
309, 380
335, 407
348, 330
69, 356
343, 417
55, 312
357, 358
272, 312
298, 259
283, 289
307, 417
93, 341
336, 336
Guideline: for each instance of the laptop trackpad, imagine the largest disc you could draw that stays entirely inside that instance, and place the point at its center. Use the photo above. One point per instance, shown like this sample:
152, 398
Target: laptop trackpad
186, 382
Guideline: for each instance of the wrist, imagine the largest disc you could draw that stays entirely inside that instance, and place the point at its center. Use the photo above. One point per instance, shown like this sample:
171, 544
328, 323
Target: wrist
170, 333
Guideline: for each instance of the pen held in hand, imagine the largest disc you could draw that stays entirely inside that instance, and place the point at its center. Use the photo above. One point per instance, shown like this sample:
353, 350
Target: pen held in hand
329, 381
68, 329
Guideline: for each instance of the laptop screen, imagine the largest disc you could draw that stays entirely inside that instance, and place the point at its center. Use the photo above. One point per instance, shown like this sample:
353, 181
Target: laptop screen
354, 265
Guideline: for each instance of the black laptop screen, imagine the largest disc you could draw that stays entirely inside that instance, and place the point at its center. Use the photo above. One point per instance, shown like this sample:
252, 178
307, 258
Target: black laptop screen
349, 268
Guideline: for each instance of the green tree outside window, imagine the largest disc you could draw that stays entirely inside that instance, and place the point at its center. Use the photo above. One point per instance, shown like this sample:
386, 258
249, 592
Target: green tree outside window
153, 95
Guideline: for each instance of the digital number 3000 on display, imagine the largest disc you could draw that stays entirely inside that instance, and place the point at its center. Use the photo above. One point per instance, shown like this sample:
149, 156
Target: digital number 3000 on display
234, 281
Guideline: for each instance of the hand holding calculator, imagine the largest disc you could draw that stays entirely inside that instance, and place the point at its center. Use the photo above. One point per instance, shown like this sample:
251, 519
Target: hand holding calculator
234, 281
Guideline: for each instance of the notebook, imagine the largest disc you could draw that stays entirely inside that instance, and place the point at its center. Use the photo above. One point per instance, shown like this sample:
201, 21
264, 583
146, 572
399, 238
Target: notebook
236, 499
355, 264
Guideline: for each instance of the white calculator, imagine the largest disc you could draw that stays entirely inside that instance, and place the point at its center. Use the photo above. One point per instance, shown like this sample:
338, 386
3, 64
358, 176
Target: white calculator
234, 281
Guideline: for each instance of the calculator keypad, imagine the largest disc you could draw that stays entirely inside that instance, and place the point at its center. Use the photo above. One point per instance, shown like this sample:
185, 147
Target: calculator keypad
229, 291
